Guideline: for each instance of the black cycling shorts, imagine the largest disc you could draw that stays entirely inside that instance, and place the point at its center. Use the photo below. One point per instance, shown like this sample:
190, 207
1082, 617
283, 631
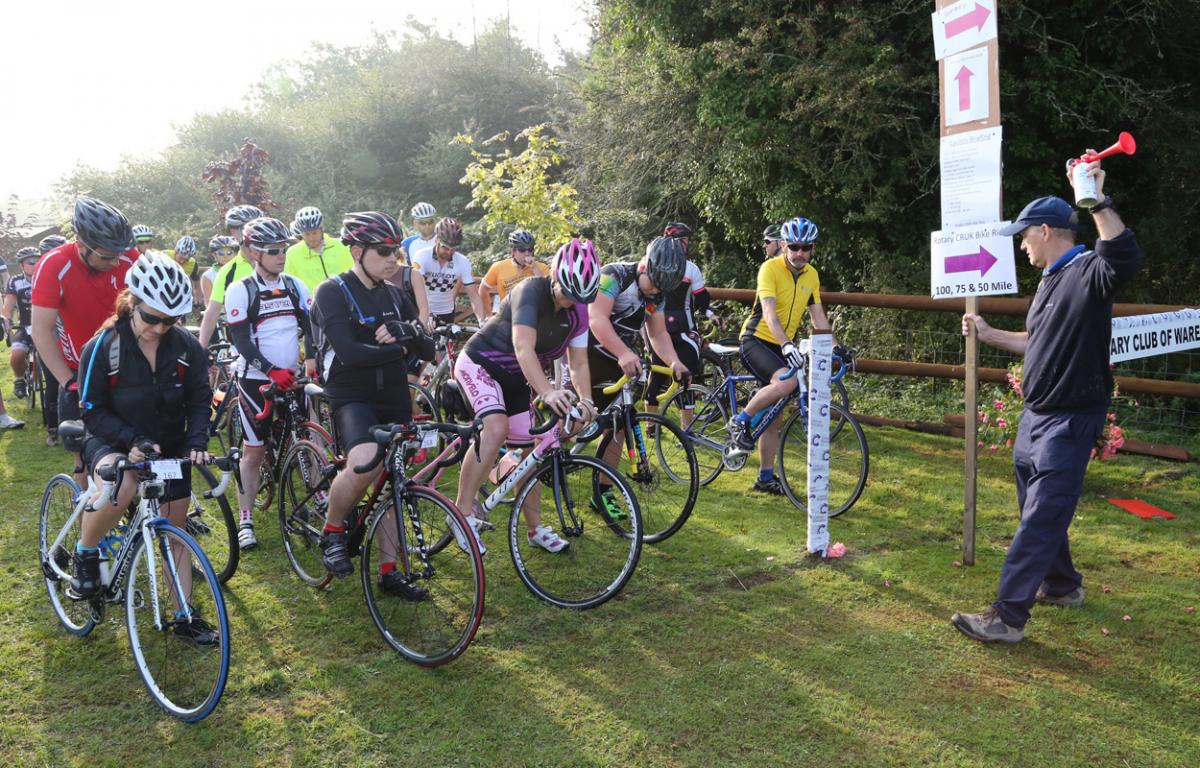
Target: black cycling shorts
352, 420
68, 410
604, 370
95, 449
250, 404
688, 351
762, 358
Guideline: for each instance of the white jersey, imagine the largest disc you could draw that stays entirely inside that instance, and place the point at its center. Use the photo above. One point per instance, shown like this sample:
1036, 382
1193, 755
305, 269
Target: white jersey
275, 330
440, 278
415, 244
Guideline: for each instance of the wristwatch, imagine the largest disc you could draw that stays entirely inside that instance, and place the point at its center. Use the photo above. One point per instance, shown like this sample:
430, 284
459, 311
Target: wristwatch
1104, 204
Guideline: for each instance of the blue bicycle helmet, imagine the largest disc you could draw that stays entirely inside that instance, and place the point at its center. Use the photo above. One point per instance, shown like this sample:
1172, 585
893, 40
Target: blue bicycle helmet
800, 230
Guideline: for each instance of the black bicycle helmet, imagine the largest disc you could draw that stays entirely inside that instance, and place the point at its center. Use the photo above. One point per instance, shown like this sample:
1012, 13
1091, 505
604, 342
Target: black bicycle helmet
238, 215
222, 241
665, 263
520, 239
99, 225
265, 231
50, 242
371, 228
28, 252
677, 229
449, 232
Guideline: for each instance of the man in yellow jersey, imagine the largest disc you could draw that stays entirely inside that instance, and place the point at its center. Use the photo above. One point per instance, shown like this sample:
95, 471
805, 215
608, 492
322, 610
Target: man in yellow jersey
235, 269
787, 286
505, 274
317, 256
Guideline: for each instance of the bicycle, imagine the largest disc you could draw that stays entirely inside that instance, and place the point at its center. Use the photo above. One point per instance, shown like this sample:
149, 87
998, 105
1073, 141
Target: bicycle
599, 559
666, 489
140, 566
294, 426
429, 631
709, 434
436, 375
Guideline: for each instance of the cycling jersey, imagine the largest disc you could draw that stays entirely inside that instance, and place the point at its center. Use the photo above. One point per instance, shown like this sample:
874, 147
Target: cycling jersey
266, 321
210, 274
190, 267
311, 267
354, 365
21, 287
414, 244
83, 297
503, 276
440, 278
619, 282
677, 304
235, 269
531, 304
793, 293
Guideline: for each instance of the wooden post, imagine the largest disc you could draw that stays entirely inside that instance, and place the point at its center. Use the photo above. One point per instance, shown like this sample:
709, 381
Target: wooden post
970, 438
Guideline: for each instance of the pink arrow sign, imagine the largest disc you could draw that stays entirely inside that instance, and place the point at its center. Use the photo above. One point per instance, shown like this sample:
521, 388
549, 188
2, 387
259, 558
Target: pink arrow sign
971, 262
974, 18
964, 88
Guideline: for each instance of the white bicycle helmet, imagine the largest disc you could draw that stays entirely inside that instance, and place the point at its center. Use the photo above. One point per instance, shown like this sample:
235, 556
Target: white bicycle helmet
308, 219
142, 232
576, 269
186, 247
158, 281
423, 211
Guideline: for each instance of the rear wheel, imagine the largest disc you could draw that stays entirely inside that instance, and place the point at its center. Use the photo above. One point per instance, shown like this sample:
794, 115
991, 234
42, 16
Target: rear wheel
211, 522
848, 460
303, 503
705, 428
58, 504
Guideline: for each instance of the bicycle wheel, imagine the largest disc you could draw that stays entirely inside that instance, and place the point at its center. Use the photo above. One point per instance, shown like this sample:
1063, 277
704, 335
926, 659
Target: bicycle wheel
709, 417
841, 398
58, 504
184, 678
662, 472
437, 628
597, 561
848, 461
211, 522
303, 501
423, 406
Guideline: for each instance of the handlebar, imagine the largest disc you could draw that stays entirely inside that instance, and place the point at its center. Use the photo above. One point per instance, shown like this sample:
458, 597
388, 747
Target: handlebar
229, 464
270, 392
625, 379
385, 434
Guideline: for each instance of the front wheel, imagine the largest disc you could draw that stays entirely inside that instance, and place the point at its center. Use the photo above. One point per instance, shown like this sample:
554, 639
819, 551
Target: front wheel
58, 504
211, 522
432, 615
703, 425
598, 560
848, 460
178, 628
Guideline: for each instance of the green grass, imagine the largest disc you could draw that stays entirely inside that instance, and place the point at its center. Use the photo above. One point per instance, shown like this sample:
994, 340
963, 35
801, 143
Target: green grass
727, 648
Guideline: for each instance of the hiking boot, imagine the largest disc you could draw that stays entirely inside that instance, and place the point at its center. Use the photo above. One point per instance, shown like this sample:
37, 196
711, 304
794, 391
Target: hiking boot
246, 537
987, 627
772, 486
85, 574
396, 583
335, 553
1073, 599
547, 539
197, 632
606, 504
20, 389
742, 434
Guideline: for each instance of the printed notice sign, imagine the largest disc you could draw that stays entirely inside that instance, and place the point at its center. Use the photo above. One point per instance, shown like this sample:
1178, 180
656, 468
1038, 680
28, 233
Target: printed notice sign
965, 87
970, 173
971, 261
963, 25
1158, 334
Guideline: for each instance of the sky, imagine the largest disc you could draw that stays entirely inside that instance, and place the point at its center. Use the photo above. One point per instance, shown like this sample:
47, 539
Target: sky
90, 82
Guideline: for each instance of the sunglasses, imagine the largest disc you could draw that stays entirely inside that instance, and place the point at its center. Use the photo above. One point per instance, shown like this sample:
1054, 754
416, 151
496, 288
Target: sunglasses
386, 251
272, 251
225, 251
104, 256
150, 319
523, 250
800, 247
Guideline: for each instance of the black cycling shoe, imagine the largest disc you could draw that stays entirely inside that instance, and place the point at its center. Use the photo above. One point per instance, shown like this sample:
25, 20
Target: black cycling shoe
772, 486
396, 583
743, 434
196, 632
19, 389
85, 574
334, 553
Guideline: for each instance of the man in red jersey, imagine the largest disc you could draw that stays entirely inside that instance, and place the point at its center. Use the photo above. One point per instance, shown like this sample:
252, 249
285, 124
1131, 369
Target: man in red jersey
74, 291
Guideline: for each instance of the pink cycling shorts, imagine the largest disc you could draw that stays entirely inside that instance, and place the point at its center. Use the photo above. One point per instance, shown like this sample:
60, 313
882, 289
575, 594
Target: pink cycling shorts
486, 396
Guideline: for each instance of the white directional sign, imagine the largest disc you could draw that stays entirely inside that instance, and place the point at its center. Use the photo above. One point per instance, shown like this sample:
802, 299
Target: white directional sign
966, 87
970, 173
963, 25
972, 261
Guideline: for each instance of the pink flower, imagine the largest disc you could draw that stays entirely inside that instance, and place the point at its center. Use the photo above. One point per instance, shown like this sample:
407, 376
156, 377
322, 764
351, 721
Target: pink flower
993, 447
1127, 617
983, 417
887, 582
1106, 589
837, 550
1001, 423
998, 405
1104, 631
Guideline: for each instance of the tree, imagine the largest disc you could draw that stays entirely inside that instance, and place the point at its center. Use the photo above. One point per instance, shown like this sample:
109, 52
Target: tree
240, 180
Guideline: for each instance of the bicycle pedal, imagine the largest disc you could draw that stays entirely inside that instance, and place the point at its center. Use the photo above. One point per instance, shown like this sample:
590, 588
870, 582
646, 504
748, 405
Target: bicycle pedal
486, 525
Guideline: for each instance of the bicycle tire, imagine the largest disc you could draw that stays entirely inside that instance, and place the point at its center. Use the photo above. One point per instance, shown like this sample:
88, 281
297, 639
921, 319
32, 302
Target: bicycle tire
849, 461
666, 493
423, 403
215, 527
438, 629
58, 504
303, 500
597, 562
184, 680
709, 420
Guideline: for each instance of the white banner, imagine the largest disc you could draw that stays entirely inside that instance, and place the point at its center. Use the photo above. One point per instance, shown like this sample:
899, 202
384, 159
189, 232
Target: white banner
819, 364
1148, 335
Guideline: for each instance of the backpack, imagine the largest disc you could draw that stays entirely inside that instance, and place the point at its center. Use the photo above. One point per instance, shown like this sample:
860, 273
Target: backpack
114, 362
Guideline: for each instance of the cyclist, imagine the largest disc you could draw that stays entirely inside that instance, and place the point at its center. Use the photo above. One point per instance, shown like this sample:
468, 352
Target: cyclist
221, 248
631, 295
368, 328
504, 275
237, 268
446, 273
787, 286
143, 238
147, 395
185, 257
317, 256
17, 294
503, 364
424, 219
50, 242
268, 315
772, 240
74, 290
49, 383
679, 308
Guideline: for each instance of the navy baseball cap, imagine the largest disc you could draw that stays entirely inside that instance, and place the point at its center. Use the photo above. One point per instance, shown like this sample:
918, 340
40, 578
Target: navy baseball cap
1053, 211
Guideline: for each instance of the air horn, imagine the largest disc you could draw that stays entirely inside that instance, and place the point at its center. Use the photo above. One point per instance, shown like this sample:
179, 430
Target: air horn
1085, 186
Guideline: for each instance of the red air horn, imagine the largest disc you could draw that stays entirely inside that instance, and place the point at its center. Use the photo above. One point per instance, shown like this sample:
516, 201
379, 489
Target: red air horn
1085, 186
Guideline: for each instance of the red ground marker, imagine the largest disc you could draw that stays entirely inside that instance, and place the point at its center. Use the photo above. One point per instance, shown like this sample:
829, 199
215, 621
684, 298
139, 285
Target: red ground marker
1142, 509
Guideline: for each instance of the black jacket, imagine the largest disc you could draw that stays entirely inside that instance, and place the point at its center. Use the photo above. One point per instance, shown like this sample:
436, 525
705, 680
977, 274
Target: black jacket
169, 405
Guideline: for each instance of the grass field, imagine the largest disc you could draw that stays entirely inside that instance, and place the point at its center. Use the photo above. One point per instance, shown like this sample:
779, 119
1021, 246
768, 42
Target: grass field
727, 647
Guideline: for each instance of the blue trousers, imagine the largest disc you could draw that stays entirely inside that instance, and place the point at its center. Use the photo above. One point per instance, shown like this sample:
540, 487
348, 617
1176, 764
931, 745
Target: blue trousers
1050, 457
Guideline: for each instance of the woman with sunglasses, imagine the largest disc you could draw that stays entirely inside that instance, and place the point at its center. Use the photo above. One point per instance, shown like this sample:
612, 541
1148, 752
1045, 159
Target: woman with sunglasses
787, 286
144, 387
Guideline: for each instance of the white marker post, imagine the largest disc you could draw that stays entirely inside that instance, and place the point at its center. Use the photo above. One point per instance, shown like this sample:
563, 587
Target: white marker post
820, 361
